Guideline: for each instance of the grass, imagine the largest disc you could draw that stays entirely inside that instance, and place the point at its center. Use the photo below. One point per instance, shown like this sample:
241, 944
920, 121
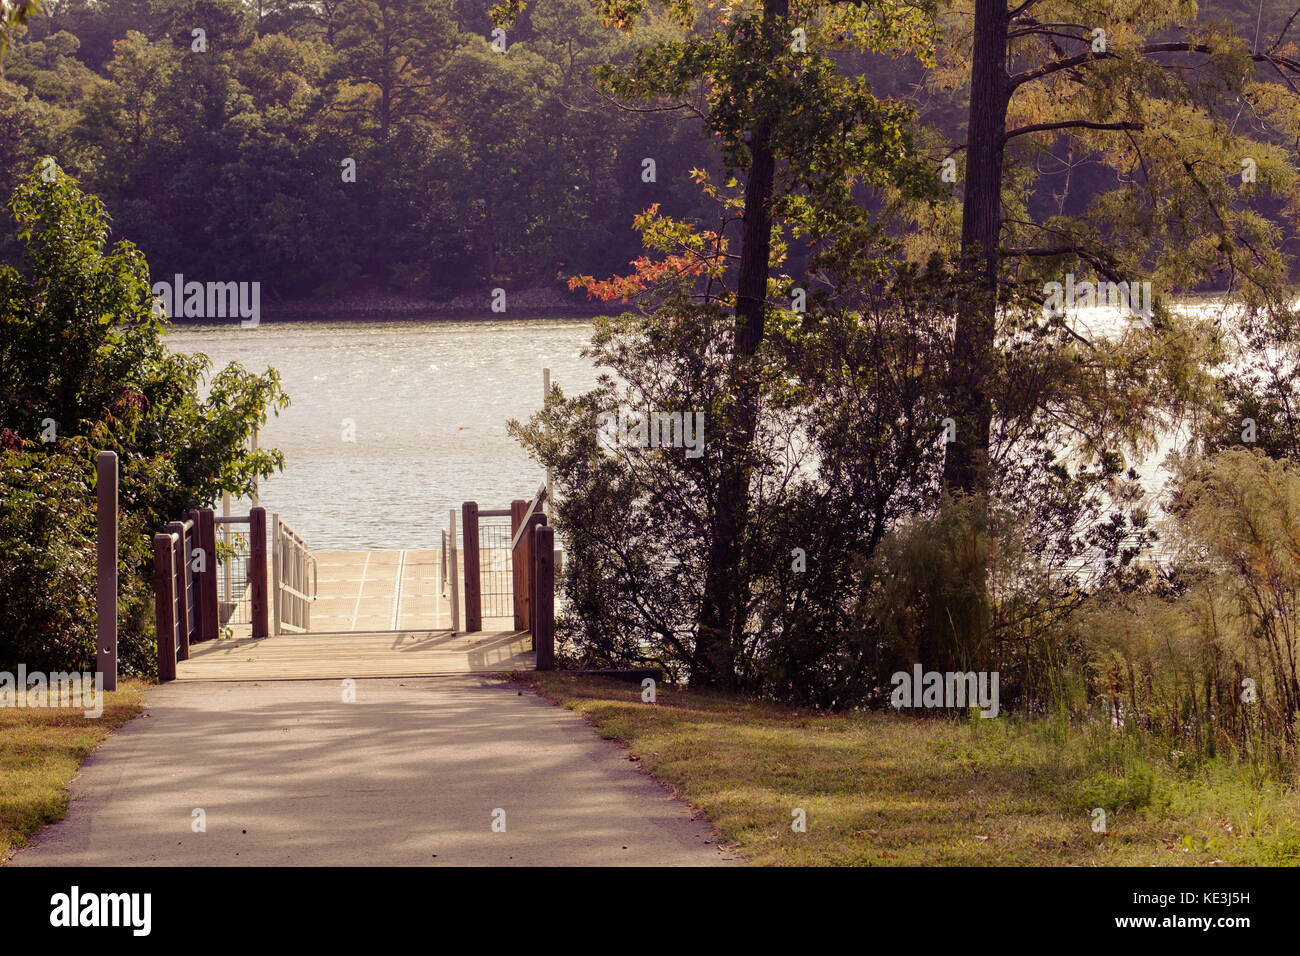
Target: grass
41, 750
889, 789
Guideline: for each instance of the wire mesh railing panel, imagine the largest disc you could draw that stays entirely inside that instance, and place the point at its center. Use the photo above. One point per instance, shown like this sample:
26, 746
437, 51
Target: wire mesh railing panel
234, 597
191, 591
495, 570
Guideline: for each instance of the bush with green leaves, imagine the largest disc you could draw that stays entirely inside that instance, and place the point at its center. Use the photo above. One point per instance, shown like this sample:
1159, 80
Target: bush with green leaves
84, 367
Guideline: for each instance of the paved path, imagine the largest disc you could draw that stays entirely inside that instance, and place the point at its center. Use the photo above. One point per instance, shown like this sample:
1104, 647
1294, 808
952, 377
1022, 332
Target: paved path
409, 774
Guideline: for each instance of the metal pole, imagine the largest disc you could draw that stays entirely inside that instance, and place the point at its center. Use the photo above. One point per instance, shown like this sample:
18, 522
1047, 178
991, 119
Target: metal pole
225, 534
106, 576
454, 576
257, 482
277, 550
546, 390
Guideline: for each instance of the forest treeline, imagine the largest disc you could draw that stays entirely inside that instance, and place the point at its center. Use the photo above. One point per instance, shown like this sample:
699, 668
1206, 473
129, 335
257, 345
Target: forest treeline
230, 154
326, 145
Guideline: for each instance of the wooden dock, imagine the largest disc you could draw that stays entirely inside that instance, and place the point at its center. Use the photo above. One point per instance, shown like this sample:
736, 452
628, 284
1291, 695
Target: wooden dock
379, 591
288, 613
376, 614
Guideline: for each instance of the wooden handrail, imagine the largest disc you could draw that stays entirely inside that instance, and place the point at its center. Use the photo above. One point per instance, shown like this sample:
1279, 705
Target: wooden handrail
164, 585
185, 587
537, 502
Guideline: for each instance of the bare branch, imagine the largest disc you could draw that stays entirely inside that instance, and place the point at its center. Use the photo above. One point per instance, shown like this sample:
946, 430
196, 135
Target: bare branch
1068, 124
1082, 59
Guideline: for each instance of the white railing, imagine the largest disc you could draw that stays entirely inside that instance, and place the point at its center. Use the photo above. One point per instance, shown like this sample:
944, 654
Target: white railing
291, 563
451, 573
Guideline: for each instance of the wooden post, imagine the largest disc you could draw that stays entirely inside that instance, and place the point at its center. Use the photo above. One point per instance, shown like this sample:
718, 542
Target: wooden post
473, 582
257, 571
106, 570
530, 565
179, 559
209, 622
543, 603
164, 587
518, 573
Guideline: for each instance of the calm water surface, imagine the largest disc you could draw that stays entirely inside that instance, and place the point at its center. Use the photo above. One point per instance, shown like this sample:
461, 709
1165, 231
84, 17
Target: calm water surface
430, 402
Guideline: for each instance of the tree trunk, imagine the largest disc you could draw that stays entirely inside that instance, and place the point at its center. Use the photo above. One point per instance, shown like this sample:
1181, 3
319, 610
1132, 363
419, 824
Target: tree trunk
962, 624
726, 584
966, 463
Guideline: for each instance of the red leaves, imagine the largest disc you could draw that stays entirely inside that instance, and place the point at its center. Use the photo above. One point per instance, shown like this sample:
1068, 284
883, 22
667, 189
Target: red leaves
645, 273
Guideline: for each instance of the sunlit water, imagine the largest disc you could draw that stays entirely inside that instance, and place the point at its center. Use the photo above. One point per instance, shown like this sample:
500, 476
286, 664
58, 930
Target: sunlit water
429, 402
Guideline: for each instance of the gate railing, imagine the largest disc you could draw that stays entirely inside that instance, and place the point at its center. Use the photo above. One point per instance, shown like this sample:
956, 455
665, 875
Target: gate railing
186, 568
291, 564
450, 573
526, 559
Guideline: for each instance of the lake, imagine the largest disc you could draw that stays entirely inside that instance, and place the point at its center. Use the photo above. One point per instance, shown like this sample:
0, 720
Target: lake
428, 402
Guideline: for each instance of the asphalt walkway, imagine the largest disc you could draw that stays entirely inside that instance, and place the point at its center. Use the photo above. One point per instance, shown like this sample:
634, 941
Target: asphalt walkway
420, 771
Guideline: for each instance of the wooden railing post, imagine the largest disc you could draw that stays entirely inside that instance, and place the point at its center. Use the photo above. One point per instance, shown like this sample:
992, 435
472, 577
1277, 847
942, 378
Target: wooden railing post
543, 597
180, 558
518, 571
106, 569
257, 571
525, 557
164, 588
209, 624
473, 584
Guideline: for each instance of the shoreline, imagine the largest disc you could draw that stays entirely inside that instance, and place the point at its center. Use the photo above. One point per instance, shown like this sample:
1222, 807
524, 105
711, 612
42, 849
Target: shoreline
531, 303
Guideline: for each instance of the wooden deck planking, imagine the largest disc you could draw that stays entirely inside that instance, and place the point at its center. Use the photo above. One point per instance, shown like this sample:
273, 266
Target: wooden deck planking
377, 614
379, 591
316, 656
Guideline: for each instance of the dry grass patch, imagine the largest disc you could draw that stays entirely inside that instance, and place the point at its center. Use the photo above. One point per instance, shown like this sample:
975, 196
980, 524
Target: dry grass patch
41, 750
890, 789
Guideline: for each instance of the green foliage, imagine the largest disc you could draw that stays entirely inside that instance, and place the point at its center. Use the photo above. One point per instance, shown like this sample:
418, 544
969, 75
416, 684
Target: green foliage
471, 165
1116, 793
47, 565
84, 368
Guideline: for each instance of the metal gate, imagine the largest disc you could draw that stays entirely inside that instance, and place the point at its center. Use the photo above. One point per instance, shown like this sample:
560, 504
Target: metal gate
291, 564
495, 570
